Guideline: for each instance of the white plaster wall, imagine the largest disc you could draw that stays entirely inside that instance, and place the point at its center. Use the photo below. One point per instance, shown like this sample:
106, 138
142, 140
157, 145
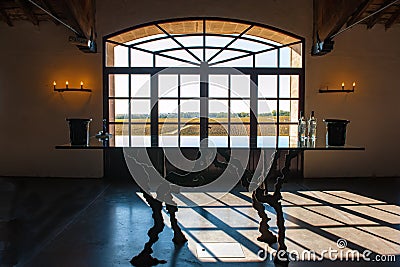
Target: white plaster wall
32, 57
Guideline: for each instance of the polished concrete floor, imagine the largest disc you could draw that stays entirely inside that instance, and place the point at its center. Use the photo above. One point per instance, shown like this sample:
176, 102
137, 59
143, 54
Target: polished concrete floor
77, 222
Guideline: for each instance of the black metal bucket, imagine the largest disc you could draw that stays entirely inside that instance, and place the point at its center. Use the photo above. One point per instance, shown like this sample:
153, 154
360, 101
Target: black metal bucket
336, 132
79, 131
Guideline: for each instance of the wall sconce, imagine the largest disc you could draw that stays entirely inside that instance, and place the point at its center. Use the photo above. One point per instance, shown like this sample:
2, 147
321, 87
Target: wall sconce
69, 89
339, 90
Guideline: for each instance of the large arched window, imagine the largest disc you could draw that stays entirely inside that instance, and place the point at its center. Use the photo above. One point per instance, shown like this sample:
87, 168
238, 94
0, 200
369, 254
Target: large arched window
176, 83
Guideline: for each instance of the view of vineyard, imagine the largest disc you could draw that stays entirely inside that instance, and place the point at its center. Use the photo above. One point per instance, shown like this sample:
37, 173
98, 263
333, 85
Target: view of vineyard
190, 124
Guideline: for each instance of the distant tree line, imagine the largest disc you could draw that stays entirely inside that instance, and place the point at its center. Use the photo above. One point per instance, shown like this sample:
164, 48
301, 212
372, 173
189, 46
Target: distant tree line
196, 114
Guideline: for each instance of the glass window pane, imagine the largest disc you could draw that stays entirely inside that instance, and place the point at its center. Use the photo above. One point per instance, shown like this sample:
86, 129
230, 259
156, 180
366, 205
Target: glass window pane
286, 109
160, 44
190, 111
181, 54
242, 129
267, 59
284, 130
167, 85
140, 110
190, 85
189, 41
289, 86
140, 85
267, 86
218, 111
119, 85
249, 45
140, 129
240, 86
240, 141
218, 86
141, 59
267, 110
190, 135
266, 130
169, 62
118, 110
285, 57
218, 135
240, 111
168, 129
168, 110
241, 62
266, 135
168, 135
121, 56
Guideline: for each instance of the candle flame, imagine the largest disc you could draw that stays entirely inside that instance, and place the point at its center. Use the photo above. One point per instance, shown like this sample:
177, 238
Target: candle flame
81, 83
54, 83
354, 84
66, 83
343, 84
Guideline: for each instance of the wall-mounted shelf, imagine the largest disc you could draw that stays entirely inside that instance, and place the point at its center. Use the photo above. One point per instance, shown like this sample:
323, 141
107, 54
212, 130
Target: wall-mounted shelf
72, 90
336, 91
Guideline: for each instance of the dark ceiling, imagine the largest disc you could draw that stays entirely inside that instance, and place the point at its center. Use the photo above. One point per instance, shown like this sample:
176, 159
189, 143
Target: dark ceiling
330, 16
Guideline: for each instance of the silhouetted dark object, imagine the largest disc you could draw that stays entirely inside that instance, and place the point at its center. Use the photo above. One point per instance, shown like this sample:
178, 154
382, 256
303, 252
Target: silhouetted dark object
144, 258
79, 131
336, 132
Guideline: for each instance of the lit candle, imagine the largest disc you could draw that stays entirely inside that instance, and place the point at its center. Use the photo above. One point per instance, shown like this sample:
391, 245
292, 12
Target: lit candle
66, 84
354, 85
81, 85
343, 86
54, 84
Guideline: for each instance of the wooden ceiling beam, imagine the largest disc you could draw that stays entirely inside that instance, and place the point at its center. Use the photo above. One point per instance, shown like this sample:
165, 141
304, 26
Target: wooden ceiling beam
360, 10
330, 16
4, 16
83, 12
45, 4
389, 23
70, 17
28, 11
374, 19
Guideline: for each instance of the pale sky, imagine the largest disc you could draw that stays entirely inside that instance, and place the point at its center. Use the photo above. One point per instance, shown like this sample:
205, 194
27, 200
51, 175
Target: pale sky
190, 85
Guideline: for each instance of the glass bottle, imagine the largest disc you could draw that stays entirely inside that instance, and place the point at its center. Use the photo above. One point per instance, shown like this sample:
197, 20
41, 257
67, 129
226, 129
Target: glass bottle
312, 127
302, 127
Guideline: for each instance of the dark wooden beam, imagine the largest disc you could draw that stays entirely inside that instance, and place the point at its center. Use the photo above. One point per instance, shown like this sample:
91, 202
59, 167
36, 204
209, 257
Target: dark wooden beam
83, 12
389, 23
330, 16
360, 10
27, 8
4, 16
69, 16
45, 4
374, 19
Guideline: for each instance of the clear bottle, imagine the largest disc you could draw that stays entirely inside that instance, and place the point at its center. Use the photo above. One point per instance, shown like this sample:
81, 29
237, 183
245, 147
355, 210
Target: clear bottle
302, 127
312, 127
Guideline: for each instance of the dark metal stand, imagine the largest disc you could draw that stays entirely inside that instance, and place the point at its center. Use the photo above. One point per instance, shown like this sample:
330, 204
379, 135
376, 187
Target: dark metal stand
261, 195
144, 258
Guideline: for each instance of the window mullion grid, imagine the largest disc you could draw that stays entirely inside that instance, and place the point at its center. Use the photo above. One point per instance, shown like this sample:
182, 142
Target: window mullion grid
130, 99
229, 109
204, 105
179, 110
278, 95
253, 109
154, 110
204, 40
